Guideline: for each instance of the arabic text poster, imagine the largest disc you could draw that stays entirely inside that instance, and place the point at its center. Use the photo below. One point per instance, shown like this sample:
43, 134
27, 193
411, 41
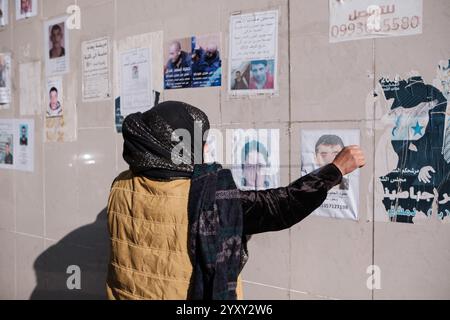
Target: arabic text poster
253, 53
365, 19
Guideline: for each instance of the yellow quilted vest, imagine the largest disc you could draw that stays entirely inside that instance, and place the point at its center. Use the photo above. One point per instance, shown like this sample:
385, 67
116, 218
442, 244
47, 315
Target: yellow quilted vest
148, 225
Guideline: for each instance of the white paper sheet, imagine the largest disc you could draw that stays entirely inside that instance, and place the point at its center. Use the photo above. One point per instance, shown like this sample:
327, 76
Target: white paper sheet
96, 75
253, 53
365, 19
30, 88
320, 147
26, 9
56, 46
17, 144
136, 81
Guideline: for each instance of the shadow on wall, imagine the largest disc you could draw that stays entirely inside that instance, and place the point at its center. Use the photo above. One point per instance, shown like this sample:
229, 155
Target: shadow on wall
87, 248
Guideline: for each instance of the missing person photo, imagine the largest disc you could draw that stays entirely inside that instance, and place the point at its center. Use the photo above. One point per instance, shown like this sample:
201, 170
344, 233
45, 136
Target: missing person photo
56, 44
23, 135
6, 149
4, 12
26, 9
54, 108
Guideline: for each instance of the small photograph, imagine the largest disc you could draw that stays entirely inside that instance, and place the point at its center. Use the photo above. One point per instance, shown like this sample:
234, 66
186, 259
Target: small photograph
262, 75
135, 73
26, 9
327, 147
256, 159
253, 75
240, 76
6, 149
23, 141
54, 106
57, 41
4, 12
56, 46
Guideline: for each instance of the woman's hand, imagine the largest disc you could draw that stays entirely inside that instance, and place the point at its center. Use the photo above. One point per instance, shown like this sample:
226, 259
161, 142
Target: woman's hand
350, 159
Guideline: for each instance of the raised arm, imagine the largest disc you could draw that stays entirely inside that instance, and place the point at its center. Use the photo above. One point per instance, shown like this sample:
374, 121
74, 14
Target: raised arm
279, 209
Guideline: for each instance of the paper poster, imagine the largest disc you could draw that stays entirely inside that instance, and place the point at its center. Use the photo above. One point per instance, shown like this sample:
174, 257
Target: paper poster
30, 88
26, 9
56, 46
96, 84
5, 80
6, 144
366, 19
24, 142
54, 110
319, 148
136, 81
4, 13
17, 144
255, 158
253, 53
193, 62
137, 88
416, 185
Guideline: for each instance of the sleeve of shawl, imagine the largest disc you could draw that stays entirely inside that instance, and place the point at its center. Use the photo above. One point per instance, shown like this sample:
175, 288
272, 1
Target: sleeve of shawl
279, 209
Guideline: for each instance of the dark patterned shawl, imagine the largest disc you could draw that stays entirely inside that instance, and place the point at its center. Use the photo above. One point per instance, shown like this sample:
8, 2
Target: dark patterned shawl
217, 246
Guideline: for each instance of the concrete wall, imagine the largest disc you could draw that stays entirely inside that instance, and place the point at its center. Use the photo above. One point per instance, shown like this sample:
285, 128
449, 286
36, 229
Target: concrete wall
55, 216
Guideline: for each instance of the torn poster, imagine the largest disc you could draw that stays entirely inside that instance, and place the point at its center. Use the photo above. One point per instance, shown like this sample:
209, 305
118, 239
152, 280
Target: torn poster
96, 83
193, 62
137, 87
255, 158
5, 80
17, 144
365, 19
26, 9
253, 53
30, 88
4, 13
319, 148
56, 46
419, 185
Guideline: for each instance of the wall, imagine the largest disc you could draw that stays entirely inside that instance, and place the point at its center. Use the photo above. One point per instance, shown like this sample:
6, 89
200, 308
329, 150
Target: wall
55, 216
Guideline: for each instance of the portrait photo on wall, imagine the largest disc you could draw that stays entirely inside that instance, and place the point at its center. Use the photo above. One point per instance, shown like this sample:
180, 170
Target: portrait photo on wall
256, 158
319, 148
26, 9
4, 13
253, 75
56, 46
23, 135
54, 100
193, 62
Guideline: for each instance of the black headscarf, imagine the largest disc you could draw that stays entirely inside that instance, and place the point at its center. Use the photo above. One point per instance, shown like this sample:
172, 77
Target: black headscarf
150, 138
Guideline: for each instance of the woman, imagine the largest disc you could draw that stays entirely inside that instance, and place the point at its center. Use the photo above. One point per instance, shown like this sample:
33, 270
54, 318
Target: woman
179, 230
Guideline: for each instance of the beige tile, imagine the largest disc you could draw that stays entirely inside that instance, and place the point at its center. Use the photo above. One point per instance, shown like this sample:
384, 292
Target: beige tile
28, 250
61, 191
7, 200
7, 265
96, 171
262, 292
